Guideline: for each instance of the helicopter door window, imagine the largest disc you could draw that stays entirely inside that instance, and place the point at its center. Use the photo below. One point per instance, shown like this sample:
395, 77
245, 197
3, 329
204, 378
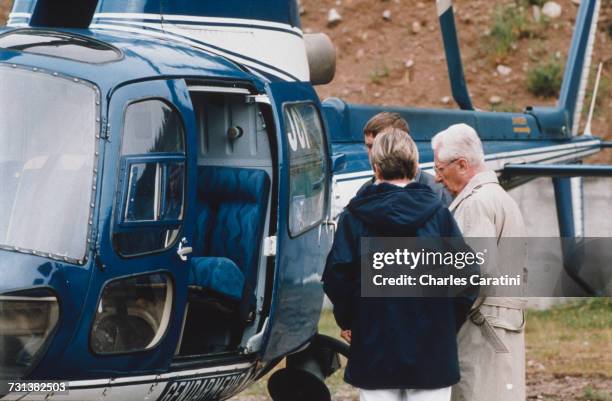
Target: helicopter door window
154, 192
308, 169
132, 314
152, 179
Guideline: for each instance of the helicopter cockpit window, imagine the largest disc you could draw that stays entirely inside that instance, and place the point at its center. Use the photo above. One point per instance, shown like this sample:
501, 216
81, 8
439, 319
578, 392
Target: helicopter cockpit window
60, 44
308, 175
47, 157
152, 179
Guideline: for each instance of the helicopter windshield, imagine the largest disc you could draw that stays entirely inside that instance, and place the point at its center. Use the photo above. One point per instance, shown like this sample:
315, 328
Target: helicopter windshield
48, 126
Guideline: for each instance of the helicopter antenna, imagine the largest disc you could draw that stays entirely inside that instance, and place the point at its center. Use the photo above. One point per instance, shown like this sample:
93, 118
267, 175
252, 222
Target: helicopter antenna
587, 127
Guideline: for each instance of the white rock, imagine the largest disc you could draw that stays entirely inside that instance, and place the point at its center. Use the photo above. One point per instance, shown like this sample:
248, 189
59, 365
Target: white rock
551, 9
416, 27
386, 15
536, 12
576, 2
333, 17
360, 53
446, 100
302, 10
558, 55
495, 100
503, 70
409, 63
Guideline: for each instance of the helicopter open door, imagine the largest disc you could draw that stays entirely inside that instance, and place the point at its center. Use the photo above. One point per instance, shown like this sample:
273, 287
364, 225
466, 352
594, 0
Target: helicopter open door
303, 237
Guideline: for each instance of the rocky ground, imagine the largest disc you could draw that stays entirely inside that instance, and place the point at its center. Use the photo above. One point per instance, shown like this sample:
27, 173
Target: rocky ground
390, 52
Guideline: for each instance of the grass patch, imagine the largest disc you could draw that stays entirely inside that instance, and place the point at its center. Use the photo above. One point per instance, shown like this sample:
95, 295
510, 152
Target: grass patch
506, 107
569, 339
589, 313
379, 73
596, 395
544, 80
572, 339
509, 25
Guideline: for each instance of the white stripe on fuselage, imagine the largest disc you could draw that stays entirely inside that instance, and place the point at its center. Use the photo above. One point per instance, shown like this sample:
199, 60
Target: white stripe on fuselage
345, 186
204, 20
137, 29
273, 44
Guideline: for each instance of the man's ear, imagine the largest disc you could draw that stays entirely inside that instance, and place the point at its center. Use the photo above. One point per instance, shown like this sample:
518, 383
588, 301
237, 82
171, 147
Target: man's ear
463, 165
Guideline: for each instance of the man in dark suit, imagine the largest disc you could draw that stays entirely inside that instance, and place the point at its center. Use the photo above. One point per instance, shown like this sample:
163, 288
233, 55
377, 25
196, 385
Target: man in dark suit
386, 120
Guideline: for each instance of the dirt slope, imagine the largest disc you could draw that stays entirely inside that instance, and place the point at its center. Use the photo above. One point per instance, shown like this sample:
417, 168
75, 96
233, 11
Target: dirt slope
372, 53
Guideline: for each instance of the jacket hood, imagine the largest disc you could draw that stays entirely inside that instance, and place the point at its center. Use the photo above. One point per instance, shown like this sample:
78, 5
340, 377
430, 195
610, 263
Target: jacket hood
395, 208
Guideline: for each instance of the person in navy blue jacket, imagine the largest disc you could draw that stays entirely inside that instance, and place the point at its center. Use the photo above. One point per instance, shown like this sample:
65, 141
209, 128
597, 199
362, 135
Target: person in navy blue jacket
401, 348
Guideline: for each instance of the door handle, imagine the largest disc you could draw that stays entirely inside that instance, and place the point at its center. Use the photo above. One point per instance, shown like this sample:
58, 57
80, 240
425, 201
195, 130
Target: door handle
183, 250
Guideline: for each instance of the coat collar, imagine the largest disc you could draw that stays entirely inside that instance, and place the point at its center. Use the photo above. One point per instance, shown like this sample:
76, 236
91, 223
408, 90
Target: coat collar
480, 179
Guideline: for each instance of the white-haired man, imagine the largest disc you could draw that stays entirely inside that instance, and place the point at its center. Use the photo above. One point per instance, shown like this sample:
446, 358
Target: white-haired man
491, 342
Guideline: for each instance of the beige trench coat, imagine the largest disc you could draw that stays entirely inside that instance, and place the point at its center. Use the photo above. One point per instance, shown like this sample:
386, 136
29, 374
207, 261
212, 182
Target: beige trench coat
492, 343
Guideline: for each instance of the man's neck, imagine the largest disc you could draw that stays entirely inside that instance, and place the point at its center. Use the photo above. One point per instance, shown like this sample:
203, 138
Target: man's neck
473, 173
400, 182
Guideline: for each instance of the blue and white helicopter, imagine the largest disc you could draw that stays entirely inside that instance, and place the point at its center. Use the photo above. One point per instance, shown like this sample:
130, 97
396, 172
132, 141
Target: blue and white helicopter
169, 184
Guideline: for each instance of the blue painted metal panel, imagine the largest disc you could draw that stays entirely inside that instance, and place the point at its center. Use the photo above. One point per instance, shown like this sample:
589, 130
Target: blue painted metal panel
348, 120
144, 58
453, 60
78, 360
558, 170
297, 291
70, 284
282, 11
132, 6
577, 58
565, 210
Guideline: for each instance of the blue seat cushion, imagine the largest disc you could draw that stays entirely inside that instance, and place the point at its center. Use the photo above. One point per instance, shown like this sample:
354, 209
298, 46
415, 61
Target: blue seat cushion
217, 274
201, 242
237, 200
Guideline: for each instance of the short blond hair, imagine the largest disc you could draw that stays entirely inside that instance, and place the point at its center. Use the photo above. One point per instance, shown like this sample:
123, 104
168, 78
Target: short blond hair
395, 154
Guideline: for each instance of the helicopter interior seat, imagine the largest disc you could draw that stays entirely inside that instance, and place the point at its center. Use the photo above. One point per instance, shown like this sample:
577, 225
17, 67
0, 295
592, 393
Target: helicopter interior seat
232, 206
